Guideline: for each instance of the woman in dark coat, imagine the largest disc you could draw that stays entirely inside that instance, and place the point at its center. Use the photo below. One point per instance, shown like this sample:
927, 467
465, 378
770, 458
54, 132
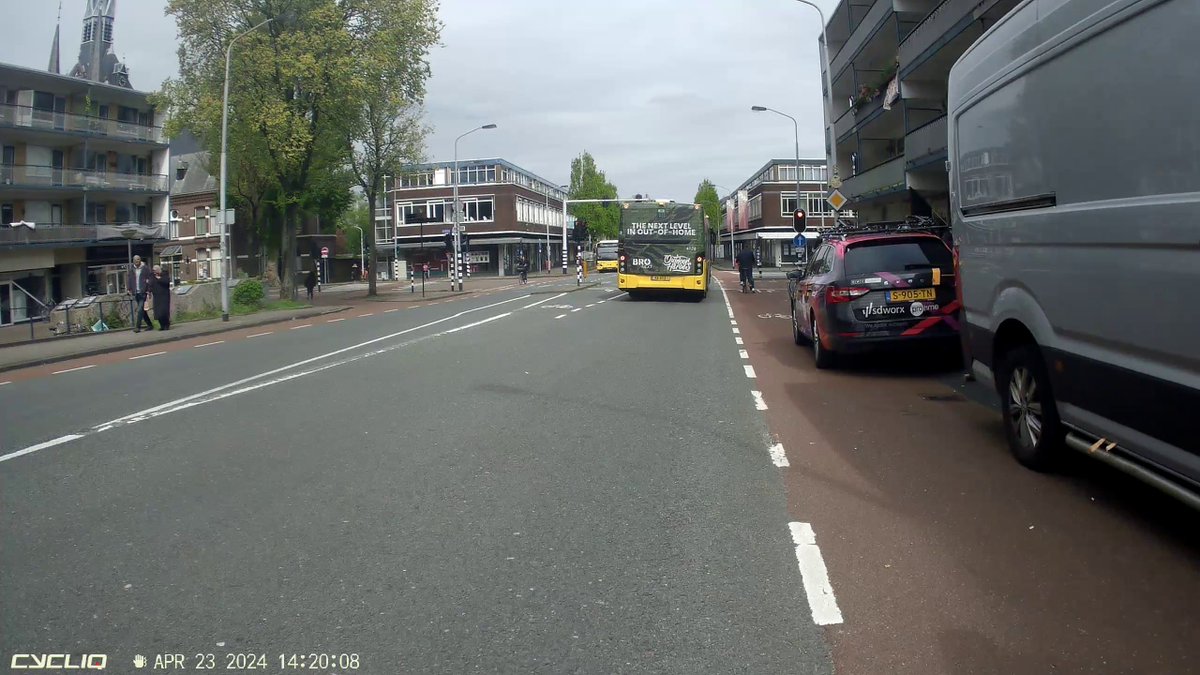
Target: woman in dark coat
310, 282
160, 292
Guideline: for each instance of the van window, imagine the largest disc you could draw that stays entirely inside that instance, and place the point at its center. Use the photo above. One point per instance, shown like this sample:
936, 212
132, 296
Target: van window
897, 256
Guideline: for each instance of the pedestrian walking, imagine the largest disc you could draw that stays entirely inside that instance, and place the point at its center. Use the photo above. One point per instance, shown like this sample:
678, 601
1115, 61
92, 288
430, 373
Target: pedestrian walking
310, 282
137, 284
745, 263
160, 293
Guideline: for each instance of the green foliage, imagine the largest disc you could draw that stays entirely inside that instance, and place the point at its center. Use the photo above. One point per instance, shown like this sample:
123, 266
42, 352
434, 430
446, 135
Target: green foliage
707, 198
358, 214
589, 182
116, 319
248, 293
298, 87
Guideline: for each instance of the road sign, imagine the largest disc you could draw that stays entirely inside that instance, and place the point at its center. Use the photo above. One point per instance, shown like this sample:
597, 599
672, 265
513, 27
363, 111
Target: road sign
798, 241
835, 182
324, 251
836, 199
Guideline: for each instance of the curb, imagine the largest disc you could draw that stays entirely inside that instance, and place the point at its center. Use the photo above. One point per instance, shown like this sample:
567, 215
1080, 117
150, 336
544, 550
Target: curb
165, 339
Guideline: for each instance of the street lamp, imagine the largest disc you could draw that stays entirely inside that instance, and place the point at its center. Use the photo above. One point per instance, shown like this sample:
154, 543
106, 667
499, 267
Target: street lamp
564, 187
832, 171
362, 252
457, 216
727, 191
224, 144
796, 128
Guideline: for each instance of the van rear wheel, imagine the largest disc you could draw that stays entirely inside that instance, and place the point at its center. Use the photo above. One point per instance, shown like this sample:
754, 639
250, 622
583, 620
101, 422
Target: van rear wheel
1031, 424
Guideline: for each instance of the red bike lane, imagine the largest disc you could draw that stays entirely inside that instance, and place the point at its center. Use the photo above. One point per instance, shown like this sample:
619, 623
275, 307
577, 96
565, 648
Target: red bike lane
945, 556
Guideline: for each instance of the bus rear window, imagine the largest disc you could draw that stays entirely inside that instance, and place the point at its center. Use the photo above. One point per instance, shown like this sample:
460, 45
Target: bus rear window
903, 255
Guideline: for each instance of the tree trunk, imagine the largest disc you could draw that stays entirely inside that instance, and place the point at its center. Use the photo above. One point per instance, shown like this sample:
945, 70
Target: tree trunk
369, 243
287, 282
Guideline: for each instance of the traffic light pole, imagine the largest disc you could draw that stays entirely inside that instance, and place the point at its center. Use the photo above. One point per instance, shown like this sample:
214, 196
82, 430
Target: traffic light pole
590, 201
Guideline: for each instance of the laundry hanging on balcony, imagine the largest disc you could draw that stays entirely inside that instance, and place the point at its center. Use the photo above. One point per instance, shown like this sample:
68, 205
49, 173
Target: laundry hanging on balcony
893, 93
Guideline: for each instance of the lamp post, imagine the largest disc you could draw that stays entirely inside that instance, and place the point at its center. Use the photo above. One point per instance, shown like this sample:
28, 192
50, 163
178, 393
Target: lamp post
725, 189
564, 187
457, 215
224, 144
796, 129
832, 172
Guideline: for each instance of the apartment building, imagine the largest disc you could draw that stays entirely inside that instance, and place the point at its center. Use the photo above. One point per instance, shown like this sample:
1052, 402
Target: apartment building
890, 61
83, 179
505, 209
759, 213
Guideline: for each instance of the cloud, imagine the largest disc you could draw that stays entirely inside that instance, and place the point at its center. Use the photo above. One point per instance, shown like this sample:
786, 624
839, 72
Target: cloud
659, 91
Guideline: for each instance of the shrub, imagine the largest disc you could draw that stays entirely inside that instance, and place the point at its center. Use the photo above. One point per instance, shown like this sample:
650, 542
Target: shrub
248, 292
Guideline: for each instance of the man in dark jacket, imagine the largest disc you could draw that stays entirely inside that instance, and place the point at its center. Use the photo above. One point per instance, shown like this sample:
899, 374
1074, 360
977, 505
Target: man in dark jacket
137, 283
745, 262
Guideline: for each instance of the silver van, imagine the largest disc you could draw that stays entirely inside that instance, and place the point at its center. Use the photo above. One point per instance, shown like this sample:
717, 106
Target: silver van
1074, 146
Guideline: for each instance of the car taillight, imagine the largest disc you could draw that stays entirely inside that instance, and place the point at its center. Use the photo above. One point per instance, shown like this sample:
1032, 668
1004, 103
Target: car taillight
833, 295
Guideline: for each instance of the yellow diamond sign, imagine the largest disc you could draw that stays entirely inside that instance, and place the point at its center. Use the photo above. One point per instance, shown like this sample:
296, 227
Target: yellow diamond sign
837, 200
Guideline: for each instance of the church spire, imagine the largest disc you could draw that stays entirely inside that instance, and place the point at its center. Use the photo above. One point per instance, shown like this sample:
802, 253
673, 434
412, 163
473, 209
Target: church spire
53, 67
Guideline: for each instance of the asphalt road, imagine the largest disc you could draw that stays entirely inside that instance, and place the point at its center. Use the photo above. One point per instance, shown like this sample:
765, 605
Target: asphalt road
489, 484
946, 555
541, 479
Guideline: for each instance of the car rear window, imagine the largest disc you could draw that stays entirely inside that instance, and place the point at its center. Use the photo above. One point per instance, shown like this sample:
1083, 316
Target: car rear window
900, 255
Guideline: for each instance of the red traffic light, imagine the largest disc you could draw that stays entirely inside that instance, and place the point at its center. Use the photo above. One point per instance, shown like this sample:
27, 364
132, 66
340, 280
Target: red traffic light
798, 218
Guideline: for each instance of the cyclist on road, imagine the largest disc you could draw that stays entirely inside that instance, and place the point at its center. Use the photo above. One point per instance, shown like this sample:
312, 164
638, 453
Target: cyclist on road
745, 263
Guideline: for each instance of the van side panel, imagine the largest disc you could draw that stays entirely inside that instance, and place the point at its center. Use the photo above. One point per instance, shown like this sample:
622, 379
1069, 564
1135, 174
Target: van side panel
1075, 190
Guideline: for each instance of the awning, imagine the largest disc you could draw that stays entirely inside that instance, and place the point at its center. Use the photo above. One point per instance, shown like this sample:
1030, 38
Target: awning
171, 251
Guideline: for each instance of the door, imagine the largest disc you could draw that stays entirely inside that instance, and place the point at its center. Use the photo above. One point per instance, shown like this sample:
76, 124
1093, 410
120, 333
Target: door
7, 160
5, 303
60, 112
56, 217
56, 167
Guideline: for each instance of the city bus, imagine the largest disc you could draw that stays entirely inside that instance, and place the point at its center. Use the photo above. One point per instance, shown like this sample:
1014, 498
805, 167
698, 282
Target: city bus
606, 255
661, 247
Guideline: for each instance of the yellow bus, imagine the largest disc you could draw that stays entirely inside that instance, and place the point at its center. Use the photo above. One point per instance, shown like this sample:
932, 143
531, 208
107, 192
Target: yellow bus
661, 247
606, 255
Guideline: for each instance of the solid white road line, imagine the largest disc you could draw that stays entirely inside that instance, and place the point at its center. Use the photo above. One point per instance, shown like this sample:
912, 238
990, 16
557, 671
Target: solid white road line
759, 403
71, 370
738, 340
778, 456
743, 353
617, 295
335, 320
560, 316
208, 344
259, 334
146, 356
303, 325
815, 576
40, 446
749, 371
477, 323
535, 304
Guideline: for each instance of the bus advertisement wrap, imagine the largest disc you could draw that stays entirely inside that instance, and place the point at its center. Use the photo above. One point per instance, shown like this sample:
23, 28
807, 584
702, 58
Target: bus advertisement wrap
662, 246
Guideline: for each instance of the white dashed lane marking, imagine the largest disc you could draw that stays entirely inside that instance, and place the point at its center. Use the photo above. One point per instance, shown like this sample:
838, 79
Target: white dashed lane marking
259, 334
815, 576
209, 344
71, 370
743, 353
146, 356
778, 456
738, 340
335, 320
749, 371
560, 316
303, 325
759, 403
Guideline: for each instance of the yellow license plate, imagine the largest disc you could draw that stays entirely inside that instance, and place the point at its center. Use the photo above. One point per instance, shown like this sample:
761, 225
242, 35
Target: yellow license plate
910, 294
660, 278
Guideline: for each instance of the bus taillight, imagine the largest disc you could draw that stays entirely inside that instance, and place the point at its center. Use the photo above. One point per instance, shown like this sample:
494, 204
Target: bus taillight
700, 264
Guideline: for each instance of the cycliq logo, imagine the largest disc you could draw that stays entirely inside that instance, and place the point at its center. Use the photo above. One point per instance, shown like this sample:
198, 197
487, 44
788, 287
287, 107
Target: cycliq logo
58, 662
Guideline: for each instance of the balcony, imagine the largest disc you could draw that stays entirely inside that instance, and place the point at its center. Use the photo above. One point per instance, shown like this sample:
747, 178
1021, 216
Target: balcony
882, 179
926, 142
25, 117
48, 177
942, 26
862, 33
23, 235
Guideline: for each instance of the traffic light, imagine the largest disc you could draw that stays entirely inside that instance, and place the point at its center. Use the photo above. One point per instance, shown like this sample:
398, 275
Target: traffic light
466, 241
581, 230
449, 239
798, 218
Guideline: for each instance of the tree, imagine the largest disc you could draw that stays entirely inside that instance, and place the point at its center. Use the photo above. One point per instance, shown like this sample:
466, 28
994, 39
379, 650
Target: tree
293, 88
707, 198
391, 43
589, 182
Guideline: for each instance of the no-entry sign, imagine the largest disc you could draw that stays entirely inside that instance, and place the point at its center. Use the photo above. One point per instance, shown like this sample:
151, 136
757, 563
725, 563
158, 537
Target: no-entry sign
324, 251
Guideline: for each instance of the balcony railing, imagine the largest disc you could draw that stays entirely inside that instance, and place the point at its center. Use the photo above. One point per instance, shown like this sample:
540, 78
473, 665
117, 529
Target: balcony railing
946, 20
37, 176
863, 32
926, 140
25, 117
886, 177
16, 235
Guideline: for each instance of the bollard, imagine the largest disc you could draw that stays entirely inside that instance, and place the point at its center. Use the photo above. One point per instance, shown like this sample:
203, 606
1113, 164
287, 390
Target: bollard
579, 270
412, 283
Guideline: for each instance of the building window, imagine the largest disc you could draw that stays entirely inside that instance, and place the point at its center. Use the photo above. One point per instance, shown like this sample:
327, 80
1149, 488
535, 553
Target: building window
755, 210
202, 263
476, 209
108, 26
6, 214
422, 179
202, 221
87, 31
477, 174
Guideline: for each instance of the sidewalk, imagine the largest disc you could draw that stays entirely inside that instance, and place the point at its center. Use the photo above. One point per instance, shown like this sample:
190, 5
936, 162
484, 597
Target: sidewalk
24, 355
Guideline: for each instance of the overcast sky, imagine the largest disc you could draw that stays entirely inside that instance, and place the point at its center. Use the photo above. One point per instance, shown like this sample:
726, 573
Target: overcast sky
659, 91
